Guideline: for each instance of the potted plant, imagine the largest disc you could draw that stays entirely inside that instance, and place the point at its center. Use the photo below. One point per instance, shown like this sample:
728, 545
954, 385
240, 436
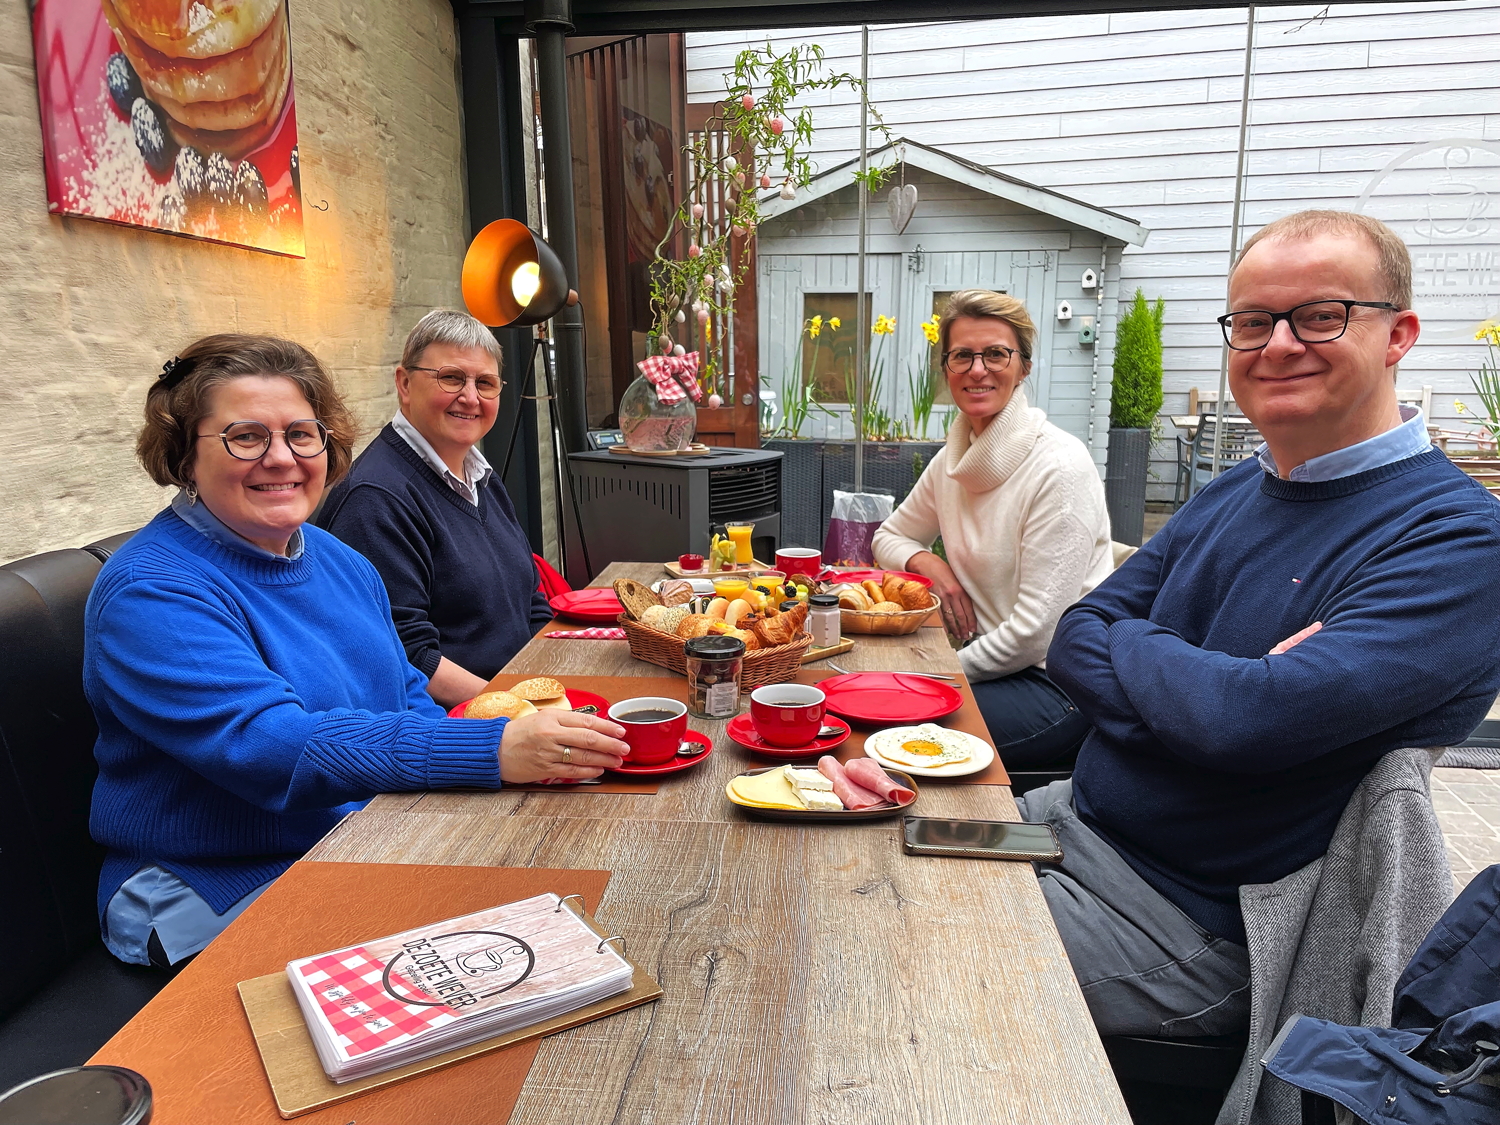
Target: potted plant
1483, 462
1133, 405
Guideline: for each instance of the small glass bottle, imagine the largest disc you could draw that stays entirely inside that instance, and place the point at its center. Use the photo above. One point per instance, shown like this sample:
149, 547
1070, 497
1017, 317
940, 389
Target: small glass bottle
713, 674
823, 620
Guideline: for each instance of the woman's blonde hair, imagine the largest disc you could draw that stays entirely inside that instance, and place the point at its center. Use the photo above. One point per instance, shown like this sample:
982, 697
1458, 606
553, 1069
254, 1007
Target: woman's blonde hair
995, 306
178, 401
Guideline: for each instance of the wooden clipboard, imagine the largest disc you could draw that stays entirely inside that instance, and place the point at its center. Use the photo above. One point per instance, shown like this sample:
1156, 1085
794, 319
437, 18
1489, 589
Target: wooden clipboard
298, 1082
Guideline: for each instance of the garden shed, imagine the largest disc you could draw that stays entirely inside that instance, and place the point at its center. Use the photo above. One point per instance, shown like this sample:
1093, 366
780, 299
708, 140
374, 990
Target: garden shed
971, 227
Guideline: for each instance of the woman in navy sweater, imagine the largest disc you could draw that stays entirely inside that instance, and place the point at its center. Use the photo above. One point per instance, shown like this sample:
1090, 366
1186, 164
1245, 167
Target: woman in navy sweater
249, 685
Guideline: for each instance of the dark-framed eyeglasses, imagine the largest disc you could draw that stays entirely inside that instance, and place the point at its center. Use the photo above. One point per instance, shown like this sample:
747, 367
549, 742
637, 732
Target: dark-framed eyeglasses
1312, 322
250, 441
996, 359
455, 379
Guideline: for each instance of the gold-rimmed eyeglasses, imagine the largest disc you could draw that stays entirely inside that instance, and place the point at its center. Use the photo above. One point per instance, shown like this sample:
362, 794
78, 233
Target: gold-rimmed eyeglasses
250, 441
455, 379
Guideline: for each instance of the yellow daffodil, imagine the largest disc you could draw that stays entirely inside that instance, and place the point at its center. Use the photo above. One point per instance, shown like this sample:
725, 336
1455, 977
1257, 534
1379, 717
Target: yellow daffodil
834, 324
930, 329
884, 325
814, 326
1460, 407
1489, 334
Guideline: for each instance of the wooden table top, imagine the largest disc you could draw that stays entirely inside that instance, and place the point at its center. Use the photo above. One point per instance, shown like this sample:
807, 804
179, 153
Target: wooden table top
811, 973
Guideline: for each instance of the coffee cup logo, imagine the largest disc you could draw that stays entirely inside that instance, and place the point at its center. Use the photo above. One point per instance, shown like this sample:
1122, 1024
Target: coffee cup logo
459, 969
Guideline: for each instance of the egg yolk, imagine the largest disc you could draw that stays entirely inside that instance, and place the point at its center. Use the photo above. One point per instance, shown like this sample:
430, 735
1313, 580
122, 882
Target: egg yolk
922, 746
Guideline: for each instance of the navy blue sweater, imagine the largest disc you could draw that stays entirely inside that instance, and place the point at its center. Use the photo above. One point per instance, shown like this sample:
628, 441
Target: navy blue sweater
243, 704
1213, 765
460, 577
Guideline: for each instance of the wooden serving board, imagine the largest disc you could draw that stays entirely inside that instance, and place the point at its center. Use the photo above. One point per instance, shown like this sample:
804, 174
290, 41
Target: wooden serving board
744, 570
832, 650
692, 450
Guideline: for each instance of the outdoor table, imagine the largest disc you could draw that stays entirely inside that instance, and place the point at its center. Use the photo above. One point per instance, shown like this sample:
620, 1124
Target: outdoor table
811, 973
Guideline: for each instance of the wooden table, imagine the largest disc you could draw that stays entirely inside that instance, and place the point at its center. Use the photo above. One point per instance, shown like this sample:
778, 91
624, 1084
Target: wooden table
812, 974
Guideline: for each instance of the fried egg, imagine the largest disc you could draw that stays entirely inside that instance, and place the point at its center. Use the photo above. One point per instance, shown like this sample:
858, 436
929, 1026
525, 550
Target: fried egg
924, 747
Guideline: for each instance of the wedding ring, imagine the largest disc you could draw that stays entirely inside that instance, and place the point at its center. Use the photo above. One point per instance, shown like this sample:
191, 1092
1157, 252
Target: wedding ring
567, 754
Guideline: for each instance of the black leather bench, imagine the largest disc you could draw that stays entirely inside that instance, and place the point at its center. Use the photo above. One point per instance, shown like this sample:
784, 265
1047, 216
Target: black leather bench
65, 994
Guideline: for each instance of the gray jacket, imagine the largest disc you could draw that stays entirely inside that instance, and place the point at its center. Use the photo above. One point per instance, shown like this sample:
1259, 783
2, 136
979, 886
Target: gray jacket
1330, 939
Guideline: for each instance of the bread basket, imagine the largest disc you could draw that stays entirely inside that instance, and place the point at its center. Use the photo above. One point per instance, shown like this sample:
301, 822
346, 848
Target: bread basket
887, 624
775, 665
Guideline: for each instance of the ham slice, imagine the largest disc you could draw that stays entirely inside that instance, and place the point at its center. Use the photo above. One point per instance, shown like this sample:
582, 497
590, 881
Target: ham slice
867, 773
853, 796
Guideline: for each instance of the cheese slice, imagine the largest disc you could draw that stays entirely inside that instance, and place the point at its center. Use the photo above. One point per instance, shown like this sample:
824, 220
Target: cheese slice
770, 790
808, 779
818, 801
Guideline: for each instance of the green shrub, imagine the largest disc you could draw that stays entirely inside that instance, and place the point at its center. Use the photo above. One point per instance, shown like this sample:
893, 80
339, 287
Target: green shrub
1138, 365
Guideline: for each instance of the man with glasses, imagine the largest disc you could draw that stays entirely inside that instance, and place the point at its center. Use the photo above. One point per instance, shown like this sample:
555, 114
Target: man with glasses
424, 505
1308, 611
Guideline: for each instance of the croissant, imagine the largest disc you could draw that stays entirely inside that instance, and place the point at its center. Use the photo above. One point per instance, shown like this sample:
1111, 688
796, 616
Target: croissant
782, 629
891, 587
854, 599
914, 595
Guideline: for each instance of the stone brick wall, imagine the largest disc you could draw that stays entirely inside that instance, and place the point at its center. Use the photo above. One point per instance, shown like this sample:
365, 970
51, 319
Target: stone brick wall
89, 311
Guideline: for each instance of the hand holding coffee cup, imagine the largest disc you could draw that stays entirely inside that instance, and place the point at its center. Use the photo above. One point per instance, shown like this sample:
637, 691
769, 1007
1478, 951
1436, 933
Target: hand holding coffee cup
654, 727
559, 744
787, 715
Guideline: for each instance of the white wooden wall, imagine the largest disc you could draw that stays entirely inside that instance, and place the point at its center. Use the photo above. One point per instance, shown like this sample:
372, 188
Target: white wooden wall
1140, 113
964, 238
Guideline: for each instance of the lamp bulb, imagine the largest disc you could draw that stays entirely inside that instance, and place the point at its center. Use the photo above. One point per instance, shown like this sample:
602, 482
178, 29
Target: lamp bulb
525, 282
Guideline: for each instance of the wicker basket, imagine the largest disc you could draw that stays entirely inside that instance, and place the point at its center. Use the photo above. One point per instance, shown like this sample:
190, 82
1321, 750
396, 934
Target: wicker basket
888, 624
776, 665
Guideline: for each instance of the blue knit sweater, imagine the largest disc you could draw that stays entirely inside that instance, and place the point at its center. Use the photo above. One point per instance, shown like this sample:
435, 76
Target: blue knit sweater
1212, 764
246, 705
459, 575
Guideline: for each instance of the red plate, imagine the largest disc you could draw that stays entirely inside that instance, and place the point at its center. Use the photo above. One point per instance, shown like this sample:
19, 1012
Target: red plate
671, 765
889, 697
742, 729
576, 699
877, 576
595, 605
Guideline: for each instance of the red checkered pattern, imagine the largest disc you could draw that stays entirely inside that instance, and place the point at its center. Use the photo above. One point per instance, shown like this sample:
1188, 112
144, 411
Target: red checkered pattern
361, 1012
673, 376
601, 634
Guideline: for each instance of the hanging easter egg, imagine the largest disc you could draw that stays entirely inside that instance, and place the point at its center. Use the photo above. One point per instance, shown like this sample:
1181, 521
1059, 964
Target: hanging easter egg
678, 349
697, 210
748, 102
702, 316
715, 401
739, 179
730, 164
681, 317
724, 269
666, 343
765, 180
739, 231
694, 250
788, 191
776, 125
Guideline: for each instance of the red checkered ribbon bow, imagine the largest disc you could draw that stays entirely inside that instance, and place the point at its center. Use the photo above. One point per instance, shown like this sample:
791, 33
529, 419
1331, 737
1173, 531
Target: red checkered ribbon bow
673, 376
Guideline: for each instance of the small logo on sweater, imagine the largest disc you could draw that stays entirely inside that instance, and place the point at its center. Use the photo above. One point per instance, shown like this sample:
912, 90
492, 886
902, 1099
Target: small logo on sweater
1298, 581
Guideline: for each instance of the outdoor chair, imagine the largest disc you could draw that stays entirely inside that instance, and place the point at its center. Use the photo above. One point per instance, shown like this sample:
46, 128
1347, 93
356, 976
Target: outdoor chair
1195, 465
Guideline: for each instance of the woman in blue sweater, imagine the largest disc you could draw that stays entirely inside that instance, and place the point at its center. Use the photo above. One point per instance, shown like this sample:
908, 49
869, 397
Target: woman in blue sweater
249, 685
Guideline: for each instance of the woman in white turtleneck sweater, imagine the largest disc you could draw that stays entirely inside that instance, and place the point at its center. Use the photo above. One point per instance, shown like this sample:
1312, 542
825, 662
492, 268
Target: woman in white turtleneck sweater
1020, 509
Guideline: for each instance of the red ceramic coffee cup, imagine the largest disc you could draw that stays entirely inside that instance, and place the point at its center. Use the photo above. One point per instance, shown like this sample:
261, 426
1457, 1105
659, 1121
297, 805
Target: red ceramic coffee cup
787, 715
799, 560
654, 728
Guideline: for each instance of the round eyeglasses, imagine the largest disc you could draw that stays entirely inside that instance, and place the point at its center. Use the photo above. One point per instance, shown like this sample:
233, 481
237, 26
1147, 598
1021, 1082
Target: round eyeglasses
250, 441
960, 361
1313, 322
455, 379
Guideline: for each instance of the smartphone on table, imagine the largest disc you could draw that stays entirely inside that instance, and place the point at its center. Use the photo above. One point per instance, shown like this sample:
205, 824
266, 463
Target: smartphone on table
981, 839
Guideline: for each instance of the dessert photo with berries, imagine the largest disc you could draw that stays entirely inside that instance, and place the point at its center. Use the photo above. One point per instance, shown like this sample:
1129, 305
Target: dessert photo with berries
173, 115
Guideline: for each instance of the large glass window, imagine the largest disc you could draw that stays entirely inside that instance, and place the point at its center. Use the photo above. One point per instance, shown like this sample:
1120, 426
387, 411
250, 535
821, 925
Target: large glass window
828, 337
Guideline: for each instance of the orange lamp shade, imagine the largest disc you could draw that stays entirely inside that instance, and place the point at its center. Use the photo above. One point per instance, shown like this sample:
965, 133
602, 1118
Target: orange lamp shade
512, 277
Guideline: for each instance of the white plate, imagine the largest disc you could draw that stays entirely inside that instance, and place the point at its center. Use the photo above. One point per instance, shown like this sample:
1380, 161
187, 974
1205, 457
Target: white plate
701, 586
983, 753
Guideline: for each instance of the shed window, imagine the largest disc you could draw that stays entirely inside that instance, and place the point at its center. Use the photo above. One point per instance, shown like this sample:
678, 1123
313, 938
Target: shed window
828, 356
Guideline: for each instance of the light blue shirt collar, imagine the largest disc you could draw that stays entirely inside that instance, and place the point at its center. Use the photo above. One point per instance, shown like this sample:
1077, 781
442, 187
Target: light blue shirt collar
200, 519
476, 468
1406, 440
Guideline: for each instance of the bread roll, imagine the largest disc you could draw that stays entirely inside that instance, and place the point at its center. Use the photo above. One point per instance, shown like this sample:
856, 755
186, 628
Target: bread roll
875, 592
662, 618
886, 607
737, 609
854, 598
695, 625
677, 592
718, 607
542, 692
752, 642
498, 705
891, 587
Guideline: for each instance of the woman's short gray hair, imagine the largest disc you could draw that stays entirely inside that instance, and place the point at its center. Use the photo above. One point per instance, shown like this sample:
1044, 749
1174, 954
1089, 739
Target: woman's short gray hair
451, 327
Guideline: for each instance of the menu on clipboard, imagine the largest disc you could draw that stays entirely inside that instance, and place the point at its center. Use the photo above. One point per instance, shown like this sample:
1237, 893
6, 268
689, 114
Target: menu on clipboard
399, 999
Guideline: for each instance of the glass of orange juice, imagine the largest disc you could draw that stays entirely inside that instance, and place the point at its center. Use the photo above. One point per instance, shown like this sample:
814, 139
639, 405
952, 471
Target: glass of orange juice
731, 588
739, 535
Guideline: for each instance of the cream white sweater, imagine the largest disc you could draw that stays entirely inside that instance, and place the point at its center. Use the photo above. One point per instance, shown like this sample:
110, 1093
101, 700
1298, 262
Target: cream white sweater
1021, 512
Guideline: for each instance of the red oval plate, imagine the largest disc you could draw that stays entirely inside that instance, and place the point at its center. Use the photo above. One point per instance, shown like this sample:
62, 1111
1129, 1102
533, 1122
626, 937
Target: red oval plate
889, 697
877, 576
595, 605
576, 699
671, 765
742, 729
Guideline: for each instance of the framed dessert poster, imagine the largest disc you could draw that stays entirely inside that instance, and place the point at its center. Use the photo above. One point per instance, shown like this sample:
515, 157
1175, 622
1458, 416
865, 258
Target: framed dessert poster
173, 115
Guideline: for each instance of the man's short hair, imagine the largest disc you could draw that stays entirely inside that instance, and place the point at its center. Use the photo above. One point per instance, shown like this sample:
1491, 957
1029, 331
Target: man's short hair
1394, 260
451, 327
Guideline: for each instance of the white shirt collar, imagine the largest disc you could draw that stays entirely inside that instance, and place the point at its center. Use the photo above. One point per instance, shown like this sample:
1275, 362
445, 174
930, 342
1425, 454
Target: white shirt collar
476, 468
1409, 439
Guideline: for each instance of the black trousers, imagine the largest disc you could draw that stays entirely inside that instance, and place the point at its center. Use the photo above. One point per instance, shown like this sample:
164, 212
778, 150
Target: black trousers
1033, 724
